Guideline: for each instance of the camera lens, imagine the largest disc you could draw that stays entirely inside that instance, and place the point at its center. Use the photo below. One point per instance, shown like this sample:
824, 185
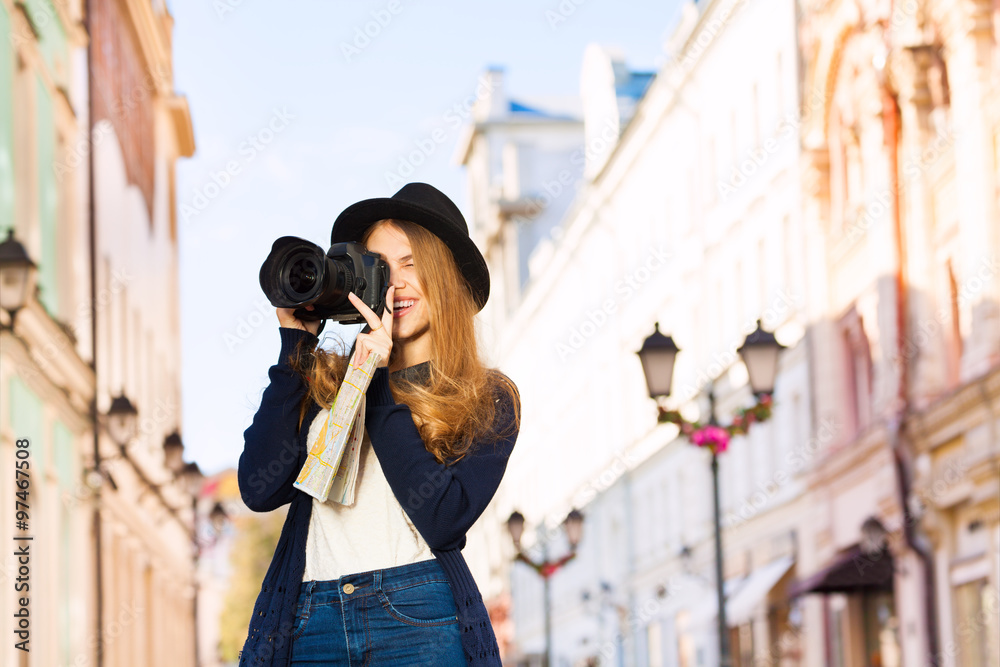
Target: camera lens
303, 273
298, 272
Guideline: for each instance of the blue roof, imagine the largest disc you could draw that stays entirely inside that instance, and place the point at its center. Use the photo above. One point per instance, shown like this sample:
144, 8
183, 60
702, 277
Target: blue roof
517, 107
523, 109
636, 84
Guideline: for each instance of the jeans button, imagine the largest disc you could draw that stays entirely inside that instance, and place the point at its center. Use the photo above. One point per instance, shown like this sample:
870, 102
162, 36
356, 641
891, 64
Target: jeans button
348, 588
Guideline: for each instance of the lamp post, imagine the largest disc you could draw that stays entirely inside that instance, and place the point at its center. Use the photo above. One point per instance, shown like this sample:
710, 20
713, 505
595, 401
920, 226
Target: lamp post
191, 477
173, 452
16, 275
760, 355
122, 420
573, 525
121, 425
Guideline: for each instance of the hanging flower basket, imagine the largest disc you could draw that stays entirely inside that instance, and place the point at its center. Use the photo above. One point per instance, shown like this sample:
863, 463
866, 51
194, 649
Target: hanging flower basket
714, 437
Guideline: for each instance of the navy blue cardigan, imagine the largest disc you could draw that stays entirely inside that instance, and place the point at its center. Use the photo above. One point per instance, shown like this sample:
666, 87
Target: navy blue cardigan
442, 501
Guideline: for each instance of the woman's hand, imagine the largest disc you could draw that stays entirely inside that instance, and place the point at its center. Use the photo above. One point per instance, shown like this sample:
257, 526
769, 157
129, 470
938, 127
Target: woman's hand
380, 338
287, 319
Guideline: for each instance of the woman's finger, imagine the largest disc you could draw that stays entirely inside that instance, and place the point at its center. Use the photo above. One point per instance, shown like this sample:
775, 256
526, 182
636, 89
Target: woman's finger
366, 344
387, 313
366, 312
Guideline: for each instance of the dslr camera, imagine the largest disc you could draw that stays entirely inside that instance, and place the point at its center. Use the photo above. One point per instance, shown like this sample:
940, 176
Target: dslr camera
297, 273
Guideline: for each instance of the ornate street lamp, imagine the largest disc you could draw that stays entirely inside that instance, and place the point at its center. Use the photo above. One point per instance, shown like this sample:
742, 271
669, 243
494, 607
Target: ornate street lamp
173, 452
759, 352
760, 355
218, 517
573, 525
874, 537
16, 275
515, 526
122, 420
190, 476
657, 355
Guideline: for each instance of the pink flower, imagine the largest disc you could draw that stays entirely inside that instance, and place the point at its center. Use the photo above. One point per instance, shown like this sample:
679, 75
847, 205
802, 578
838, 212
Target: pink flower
715, 437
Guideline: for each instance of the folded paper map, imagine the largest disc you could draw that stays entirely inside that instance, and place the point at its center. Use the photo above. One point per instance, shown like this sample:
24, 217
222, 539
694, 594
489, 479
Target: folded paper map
331, 468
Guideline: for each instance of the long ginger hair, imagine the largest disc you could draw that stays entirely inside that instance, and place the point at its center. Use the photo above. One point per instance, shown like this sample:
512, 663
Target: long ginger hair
458, 404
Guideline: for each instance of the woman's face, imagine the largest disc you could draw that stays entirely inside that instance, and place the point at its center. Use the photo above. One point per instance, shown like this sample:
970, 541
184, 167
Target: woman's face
410, 318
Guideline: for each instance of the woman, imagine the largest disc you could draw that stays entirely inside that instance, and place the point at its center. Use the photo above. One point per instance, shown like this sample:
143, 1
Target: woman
383, 581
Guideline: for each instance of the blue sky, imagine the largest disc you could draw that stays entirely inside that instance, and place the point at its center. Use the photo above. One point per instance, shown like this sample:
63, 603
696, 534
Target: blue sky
296, 117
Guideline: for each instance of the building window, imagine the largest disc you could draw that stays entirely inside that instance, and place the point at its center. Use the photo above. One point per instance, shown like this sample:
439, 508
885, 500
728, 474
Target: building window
858, 371
7, 93
712, 182
122, 87
863, 629
881, 633
955, 335
654, 645
780, 88
976, 609
741, 645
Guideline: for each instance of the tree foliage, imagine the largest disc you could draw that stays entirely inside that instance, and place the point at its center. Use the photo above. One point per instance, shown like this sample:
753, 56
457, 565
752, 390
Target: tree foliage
253, 547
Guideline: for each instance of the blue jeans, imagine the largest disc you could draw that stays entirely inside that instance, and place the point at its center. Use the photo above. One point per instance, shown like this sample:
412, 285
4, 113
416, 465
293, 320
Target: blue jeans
402, 615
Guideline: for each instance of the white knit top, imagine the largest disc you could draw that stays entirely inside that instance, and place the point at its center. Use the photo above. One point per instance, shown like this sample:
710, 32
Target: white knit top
372, 534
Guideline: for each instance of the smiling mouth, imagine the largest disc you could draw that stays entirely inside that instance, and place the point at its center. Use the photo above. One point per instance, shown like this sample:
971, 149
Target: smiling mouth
402, 307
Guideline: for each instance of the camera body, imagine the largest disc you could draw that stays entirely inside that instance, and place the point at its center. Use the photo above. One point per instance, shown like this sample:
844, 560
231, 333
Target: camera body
297, 273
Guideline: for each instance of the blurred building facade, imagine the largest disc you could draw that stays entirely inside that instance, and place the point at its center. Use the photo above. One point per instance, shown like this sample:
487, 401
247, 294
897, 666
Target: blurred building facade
900, 137
832, 181
45, 382
523, 157
87, 153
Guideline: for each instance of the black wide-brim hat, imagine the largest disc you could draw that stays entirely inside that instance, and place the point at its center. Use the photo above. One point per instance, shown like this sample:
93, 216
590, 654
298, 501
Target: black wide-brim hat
424, 205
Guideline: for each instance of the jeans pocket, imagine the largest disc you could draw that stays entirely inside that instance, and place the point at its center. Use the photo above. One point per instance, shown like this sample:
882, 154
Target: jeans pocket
302, 610
425, 604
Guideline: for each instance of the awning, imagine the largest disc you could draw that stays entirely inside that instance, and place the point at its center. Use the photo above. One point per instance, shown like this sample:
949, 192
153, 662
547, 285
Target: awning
741, 605
705, 609
850, 572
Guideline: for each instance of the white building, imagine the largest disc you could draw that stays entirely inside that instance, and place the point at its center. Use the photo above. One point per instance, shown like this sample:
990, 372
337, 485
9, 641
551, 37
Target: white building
87, 153
689, 218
